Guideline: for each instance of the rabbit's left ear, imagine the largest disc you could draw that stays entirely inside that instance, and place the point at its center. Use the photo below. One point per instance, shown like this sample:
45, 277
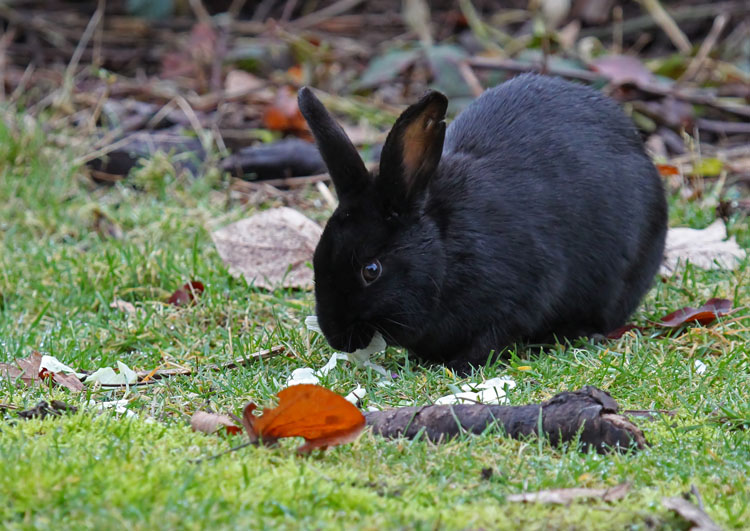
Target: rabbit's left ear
413, 148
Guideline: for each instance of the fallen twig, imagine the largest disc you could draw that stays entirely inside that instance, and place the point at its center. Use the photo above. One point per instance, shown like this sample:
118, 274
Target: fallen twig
146, 376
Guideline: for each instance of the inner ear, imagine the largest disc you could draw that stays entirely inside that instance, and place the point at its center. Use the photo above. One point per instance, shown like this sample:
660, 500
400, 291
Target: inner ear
413, 148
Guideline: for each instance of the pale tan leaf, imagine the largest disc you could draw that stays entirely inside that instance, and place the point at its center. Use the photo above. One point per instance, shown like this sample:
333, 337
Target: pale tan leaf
566, 496
238, 83
209, 423
706, 248
123, 306
271, 249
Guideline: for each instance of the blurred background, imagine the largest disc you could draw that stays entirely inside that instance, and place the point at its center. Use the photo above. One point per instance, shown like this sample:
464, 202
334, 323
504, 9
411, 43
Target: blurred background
213, 82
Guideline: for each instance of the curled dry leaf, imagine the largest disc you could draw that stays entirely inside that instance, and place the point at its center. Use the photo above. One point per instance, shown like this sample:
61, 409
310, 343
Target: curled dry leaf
187, 293
205, 422
270, 249
704, 315
322, 417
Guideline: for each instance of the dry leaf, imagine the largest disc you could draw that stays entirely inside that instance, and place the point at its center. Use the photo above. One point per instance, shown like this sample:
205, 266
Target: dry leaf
187, 293
622, 69
704, 315
26, 368
69, 381
123, 306
692, 513
706, 248
209, 423
566, 496
239, 83
270, 249
322, 417
284, 114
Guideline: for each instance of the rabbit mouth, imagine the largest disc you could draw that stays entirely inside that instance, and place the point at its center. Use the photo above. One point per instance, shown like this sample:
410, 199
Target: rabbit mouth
355, 337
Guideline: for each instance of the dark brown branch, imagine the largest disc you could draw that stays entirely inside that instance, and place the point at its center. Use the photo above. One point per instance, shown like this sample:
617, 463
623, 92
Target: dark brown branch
588, 415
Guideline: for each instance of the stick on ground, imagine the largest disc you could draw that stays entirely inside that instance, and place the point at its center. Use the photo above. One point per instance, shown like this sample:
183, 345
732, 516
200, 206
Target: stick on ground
590, 412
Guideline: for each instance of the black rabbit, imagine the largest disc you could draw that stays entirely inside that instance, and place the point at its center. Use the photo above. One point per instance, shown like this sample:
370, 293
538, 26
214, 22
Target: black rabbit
536, 215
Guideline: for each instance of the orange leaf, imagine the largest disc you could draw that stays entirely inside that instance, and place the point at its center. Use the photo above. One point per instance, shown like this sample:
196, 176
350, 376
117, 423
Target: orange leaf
666, 170
284, 114
322, 417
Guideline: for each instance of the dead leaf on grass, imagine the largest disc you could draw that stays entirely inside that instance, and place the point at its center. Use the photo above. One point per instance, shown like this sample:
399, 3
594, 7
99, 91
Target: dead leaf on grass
706, 248
123, 306
692, 513
566, 496
270, 249
704, 315
187, 293
209, 423
69, 381
321, 416
26, 368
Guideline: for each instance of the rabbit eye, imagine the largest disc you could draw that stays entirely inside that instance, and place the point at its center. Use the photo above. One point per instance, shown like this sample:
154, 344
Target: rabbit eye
371, 272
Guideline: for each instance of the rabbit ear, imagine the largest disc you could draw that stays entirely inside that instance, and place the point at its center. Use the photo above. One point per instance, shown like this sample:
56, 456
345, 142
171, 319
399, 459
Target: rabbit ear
413, 148
347, 170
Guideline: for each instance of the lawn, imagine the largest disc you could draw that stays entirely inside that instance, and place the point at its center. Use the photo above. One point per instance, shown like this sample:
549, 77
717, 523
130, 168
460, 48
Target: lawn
61, 268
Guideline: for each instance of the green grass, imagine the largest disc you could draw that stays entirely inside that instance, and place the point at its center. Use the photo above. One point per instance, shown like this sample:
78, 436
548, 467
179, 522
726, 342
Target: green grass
59, 274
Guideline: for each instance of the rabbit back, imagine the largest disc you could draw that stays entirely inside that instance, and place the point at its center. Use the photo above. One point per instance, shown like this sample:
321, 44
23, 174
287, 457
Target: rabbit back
552, 215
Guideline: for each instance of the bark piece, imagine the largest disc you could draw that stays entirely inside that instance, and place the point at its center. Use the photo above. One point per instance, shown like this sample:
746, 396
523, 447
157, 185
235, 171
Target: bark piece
589, 410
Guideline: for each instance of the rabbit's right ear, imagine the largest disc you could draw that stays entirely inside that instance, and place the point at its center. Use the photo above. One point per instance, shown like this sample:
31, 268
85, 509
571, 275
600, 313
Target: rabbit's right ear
347, 170
412, 151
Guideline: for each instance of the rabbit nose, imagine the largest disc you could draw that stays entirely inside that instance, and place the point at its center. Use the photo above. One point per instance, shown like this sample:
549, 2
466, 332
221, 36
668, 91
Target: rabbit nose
355, 337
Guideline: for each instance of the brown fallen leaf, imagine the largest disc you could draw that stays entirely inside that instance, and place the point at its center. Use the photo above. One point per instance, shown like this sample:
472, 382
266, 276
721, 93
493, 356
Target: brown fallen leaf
209, 423
566, 496
321, 416
26, 368
692, 513
69, 381
270, 249
704, 315
187, 293
706, 248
